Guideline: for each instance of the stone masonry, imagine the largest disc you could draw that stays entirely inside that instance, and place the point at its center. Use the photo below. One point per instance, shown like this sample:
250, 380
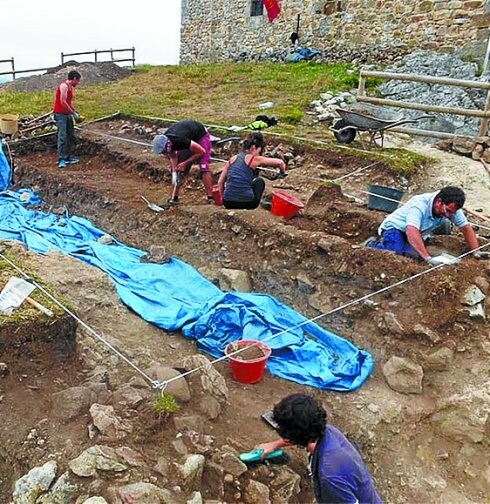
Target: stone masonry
224, 30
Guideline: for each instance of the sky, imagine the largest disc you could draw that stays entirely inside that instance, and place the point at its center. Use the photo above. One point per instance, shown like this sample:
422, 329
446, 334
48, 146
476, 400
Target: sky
36, 32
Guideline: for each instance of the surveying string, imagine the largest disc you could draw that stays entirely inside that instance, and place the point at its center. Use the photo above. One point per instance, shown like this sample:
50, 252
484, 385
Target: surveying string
84, 325
165, 383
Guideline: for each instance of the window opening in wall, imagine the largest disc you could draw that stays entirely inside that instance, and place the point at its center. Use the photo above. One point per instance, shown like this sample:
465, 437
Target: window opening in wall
332, 6
256, 8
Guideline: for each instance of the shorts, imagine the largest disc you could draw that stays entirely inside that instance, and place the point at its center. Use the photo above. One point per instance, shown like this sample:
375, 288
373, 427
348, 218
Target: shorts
205, 143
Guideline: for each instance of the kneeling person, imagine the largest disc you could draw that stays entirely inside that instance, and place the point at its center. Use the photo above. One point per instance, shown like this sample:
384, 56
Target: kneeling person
402, 231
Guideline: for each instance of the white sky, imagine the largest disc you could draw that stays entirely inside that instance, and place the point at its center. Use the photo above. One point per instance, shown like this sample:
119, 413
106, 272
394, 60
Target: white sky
35, 32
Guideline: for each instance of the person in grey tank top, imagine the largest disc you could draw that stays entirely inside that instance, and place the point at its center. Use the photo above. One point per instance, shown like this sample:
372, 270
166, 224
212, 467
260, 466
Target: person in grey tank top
239, 183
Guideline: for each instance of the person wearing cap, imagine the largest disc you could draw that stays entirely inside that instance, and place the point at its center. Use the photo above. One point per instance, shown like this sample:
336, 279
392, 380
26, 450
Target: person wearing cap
403, 230
185, 143
65, 116
337, 471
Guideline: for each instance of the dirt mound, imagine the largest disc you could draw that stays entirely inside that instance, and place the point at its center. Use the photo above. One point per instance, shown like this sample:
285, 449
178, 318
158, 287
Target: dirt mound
92, 73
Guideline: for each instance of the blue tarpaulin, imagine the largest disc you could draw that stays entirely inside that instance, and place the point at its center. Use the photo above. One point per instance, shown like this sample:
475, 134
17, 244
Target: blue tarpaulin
175, 296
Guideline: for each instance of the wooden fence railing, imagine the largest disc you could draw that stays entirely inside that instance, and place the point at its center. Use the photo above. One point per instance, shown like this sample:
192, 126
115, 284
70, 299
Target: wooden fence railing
95, 52
483, 114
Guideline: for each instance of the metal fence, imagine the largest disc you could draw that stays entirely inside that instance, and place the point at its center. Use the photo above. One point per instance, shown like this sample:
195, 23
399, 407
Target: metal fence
483, 114
95, 52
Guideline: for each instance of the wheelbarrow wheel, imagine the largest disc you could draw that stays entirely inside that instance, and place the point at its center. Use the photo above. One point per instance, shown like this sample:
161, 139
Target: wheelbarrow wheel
345, 136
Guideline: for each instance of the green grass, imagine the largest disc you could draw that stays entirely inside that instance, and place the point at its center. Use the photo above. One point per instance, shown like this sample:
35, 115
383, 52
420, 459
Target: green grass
225, 94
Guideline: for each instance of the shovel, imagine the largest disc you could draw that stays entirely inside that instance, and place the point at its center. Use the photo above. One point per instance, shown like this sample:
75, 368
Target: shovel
152, 206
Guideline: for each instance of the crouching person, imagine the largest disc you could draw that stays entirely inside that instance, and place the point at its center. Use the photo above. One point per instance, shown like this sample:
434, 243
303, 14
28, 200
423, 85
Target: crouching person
239, 182
337, 471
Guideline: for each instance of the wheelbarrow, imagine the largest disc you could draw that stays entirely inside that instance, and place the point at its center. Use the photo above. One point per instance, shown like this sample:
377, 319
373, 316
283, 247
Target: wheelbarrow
373, 120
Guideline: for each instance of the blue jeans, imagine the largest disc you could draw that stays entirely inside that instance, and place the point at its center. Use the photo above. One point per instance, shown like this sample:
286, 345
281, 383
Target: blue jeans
66, 135
396, 241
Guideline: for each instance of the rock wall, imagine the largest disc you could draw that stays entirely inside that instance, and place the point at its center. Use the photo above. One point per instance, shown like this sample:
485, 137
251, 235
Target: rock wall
364, 30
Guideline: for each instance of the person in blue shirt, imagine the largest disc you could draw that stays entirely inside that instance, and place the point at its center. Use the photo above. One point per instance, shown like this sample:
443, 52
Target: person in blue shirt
403, 230
337, 470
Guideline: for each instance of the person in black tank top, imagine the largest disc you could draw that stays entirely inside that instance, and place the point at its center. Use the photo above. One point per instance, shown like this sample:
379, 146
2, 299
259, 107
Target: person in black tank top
185, 143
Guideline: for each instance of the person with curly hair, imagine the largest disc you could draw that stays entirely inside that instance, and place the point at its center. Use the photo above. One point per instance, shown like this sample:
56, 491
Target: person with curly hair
337, 470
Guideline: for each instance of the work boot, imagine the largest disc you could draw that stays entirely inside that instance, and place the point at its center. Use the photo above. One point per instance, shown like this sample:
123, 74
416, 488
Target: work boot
172, 202
369, 241
267, 205
210, 200
73, 160
61, 163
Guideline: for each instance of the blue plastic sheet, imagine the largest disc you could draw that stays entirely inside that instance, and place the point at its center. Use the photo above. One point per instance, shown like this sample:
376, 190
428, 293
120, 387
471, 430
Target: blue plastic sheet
175, 296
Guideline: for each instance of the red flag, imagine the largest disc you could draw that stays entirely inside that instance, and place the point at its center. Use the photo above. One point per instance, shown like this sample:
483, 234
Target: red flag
272, 7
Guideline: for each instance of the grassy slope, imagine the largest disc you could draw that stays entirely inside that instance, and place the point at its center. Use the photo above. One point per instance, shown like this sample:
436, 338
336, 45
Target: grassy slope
224, 94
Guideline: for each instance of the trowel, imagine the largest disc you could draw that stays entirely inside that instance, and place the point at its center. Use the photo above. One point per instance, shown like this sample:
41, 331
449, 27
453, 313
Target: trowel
152, 206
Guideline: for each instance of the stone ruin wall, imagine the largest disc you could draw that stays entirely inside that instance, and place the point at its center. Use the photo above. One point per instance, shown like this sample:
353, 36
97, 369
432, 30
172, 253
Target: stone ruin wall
223, 30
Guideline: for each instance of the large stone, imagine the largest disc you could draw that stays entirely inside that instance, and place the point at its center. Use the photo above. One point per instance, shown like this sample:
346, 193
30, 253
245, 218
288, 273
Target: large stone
140, 493
212, 381
234, 280
393, 325
63, 491
130, 456
421, 330
440, 360
192, 470
177, 388
403, 375
464, 417
108, 423
476, 312
75, 401
472, 296
126, 396
232, 464
285, 485
214, 476
28, 488
256, 493
196, 498
95, 500
463, 146
96, 458
321, 302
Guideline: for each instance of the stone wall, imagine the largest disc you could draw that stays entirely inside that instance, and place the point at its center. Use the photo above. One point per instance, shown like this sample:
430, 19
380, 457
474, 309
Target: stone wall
223, 30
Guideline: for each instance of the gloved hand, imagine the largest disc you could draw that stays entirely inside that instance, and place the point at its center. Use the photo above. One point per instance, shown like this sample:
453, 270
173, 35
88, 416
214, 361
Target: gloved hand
279, 175
481, 254
435, 261
76, 117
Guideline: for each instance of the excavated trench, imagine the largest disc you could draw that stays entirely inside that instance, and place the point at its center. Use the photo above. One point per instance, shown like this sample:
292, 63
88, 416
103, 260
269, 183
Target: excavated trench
312, 262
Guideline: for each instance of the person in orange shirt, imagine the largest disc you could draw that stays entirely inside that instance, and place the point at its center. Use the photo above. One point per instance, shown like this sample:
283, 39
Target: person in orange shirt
65, 116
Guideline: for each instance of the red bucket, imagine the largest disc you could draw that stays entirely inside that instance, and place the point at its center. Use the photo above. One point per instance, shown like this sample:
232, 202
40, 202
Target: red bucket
285, 205
217, 197
252, 369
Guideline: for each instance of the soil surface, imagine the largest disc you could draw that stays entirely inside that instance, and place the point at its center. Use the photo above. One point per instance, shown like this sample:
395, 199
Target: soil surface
312, 262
